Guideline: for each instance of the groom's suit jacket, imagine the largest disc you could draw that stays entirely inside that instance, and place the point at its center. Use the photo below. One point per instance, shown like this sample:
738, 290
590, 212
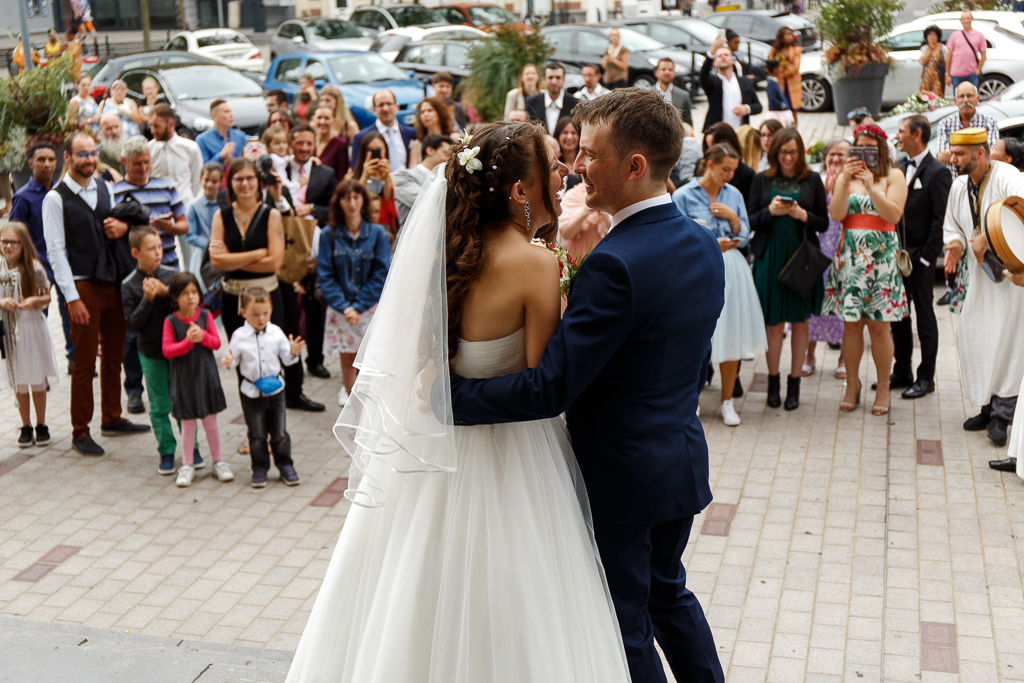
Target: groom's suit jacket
626, 365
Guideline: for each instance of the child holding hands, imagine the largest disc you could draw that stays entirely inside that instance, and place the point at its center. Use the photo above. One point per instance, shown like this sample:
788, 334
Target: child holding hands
258, 349
28, 359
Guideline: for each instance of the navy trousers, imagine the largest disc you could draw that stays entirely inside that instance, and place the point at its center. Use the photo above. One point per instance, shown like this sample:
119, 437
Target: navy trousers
647, 581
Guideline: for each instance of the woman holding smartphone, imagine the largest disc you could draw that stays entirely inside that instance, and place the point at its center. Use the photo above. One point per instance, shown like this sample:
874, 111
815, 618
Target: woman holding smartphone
372, 170
786, 206
864, 286
719, 207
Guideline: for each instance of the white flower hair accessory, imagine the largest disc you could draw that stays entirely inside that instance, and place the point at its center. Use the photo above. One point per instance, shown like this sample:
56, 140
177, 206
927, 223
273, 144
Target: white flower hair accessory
467, 158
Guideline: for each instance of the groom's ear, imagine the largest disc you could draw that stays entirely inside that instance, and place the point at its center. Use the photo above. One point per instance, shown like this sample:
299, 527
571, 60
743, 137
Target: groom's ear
637, 166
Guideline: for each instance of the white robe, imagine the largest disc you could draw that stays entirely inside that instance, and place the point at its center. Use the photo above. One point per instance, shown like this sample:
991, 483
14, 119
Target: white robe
992, 319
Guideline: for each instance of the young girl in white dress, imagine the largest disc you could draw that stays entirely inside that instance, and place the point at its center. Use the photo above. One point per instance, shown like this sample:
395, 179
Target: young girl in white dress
28, 360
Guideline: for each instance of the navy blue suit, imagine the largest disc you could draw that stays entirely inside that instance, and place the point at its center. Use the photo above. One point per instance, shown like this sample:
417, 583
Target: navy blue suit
408, 135
626, 365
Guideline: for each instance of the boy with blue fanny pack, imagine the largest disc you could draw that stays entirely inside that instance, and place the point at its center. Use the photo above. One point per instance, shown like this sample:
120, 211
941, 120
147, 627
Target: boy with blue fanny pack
258, 349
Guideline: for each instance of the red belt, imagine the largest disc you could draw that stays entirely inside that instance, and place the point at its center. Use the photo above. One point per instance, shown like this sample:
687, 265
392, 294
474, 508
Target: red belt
867, 221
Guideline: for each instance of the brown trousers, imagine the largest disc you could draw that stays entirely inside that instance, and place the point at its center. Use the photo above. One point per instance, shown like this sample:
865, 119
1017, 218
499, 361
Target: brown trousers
106, 324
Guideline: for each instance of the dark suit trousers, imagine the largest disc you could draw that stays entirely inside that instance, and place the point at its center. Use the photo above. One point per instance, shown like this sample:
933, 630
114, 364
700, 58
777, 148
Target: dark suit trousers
315, 317
647, 581
292, 310
107, 324
919, 288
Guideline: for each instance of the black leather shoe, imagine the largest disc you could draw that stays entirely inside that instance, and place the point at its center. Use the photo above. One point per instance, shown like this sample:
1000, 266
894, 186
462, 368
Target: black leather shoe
302, 402
899, 381
86, 446
124, 427
943, 300
774, 399
318, 371
1007, 465
920, 388
997, 431
135, 404
977, 423
737, 391
792, 393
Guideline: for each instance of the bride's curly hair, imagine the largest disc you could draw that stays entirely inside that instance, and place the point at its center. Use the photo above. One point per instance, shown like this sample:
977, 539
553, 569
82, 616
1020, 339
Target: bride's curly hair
510, 152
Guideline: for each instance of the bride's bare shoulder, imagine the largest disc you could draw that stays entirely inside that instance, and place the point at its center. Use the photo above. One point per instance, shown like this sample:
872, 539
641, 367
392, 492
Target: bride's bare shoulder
524, 261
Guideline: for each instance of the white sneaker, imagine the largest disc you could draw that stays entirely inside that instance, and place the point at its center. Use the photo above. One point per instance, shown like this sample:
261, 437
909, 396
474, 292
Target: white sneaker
185, 476
342, 396
729, 416
223, 472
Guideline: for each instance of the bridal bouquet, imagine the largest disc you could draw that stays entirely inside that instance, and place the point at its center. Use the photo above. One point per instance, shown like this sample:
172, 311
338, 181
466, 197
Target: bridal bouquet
568, 267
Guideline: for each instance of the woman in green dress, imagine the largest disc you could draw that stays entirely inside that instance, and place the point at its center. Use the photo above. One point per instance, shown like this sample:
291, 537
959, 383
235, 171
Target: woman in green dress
864, 286
786, 205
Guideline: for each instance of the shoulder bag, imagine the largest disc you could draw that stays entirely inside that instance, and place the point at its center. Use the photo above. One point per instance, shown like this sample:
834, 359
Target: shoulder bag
803, 271
903, 260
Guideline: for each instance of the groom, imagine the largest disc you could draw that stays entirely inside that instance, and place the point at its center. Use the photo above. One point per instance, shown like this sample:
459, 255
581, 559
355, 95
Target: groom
626, 366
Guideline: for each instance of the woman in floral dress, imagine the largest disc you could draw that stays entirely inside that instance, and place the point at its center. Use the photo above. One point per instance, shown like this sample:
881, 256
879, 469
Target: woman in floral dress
864, 286
934, 57
787, 51
829, 328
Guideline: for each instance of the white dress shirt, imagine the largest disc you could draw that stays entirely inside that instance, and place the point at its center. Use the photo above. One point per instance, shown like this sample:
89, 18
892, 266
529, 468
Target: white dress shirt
913, 169
732, 97
180, 161
397, 154
259, 354
584, 94
623, 214
666, 94
553, 109
53, 231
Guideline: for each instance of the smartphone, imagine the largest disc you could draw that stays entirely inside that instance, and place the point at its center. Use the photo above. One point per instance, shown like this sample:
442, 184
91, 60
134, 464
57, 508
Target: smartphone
868, 155
375, 154
786, 200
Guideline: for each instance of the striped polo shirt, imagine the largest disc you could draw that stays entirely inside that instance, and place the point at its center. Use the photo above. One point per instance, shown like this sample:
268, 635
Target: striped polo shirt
160, 197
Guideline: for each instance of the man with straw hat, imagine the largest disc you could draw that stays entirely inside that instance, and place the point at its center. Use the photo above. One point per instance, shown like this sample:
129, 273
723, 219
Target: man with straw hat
992, 318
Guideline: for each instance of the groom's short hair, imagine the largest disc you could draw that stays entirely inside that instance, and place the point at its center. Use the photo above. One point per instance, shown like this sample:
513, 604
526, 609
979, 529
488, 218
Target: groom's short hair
640, 122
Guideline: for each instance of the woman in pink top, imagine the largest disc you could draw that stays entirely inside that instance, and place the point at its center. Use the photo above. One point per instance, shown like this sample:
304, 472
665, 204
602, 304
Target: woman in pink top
580, 228
967, 56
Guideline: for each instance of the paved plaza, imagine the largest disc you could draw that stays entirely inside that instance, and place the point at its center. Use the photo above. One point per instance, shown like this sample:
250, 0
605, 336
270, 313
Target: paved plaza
840, 547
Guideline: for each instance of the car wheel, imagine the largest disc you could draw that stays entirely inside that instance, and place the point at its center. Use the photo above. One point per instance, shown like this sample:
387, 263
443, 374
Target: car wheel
645, 81
817, 95
992, 84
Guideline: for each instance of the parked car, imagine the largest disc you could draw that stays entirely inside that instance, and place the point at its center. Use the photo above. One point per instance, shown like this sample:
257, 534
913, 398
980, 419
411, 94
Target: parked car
480, 15
190, 88
1002, 67
1002, 111
764, 25
358, 74
1011, 21
428, 57
317, 35
580, 44
108, 70
697, 36
389, 43
371, 20
224, 45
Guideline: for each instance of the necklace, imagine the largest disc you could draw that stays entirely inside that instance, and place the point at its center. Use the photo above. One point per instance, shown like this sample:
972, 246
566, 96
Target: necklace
243, 223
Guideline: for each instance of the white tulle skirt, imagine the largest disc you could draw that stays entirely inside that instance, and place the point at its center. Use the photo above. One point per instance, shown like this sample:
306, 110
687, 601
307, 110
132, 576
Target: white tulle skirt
740, 333
488, 574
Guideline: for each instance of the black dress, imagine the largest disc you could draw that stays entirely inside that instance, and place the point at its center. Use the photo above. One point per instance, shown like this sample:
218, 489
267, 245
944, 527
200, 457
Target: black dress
194, 380
255, 238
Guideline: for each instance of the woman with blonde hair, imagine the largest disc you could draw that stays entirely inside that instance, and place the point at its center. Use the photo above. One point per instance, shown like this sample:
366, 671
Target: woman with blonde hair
119, 103
529, 80
750, 145
345, 124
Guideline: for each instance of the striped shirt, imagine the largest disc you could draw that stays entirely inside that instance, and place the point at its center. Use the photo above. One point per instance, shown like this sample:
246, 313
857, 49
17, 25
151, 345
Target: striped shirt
160, 197
951, 124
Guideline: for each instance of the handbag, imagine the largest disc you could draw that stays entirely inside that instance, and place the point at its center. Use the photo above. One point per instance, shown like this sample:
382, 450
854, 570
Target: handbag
803, 271
298, 243
903, 260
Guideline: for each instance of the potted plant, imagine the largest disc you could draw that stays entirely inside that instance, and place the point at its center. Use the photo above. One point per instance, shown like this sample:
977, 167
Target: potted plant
33, 108
856, 60
497, 64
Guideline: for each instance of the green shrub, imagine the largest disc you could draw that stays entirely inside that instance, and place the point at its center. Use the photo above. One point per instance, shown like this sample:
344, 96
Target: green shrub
497, 63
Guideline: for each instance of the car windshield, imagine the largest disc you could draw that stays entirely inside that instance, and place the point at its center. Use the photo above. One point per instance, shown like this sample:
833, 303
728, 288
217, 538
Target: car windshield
222, 39
205, 83
333, 30
792, 21
701, 30
487, 16
416, 16
97, 68
636, 41
364, 69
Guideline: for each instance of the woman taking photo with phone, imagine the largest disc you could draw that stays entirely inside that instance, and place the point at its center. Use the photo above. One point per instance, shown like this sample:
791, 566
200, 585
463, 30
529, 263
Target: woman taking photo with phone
786, 206
372, 170
864, 286
718, 206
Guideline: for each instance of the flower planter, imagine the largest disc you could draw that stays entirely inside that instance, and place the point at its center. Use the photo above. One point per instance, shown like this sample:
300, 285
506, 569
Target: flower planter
862, 87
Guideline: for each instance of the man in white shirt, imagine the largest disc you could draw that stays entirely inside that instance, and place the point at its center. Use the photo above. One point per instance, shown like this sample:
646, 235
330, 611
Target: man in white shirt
397, 135
665, 72
174, 157
552, 104
409, 182
592, 83
730, 98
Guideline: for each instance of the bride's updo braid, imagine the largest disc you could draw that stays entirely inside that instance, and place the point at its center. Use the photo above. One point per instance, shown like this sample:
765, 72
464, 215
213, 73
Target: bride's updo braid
509, 152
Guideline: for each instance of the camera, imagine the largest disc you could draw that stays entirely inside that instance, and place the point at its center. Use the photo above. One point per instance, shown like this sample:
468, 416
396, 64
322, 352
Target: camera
265, 170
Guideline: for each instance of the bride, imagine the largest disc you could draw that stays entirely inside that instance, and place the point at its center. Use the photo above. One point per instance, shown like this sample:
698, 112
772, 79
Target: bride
468, 556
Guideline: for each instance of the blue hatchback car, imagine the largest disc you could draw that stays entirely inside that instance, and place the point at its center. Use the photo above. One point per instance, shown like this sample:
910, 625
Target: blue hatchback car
357, 74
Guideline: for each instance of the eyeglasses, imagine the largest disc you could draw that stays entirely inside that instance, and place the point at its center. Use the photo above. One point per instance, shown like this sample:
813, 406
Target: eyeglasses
244, 179
87, 155
8, 243
767, 136
789, 153
382, 105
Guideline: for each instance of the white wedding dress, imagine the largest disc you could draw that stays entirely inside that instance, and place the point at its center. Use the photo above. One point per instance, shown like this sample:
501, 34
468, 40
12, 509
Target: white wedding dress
468, 556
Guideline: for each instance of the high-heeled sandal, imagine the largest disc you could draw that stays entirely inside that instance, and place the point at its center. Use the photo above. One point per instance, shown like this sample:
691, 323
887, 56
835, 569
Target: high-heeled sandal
840, 372
877, 409
846, 406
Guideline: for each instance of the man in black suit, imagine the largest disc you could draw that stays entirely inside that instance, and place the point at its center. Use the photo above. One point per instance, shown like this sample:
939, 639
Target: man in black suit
928, 183
731, 98
397, 136
554, 103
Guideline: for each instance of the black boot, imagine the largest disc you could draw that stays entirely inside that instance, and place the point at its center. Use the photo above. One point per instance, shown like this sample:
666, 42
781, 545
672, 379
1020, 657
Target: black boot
774, 400
792, 393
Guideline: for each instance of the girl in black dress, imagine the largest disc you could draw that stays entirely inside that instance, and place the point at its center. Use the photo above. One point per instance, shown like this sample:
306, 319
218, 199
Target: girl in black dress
190, 338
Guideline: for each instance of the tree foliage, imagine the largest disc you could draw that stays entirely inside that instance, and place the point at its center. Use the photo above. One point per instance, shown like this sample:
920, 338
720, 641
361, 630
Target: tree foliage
852, 29
33, 107
497, 63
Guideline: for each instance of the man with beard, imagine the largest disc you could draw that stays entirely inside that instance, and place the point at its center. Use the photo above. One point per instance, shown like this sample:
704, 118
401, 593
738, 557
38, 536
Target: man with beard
112, 138
991, 323
78, 229
174, 157
966, 99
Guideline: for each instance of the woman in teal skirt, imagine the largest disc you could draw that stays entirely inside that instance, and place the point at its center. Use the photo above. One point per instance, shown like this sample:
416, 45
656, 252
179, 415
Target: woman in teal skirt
786, 205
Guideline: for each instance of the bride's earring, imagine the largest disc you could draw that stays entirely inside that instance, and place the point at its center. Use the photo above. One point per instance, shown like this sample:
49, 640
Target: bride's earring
526, 210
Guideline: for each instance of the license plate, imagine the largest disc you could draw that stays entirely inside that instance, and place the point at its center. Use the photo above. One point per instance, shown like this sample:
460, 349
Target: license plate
410, 120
